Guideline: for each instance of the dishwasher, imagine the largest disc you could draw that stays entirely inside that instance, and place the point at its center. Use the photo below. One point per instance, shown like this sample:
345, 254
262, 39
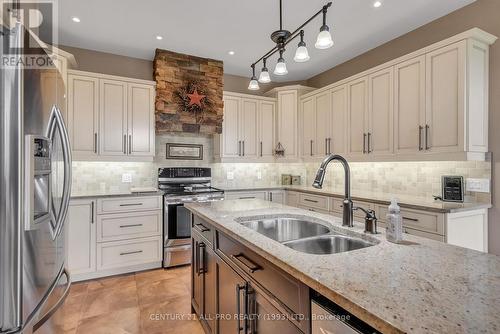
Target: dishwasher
329, 318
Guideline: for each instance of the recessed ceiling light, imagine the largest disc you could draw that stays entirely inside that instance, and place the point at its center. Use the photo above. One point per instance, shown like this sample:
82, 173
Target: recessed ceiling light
159, 37
75, 19
231, 53
377, 4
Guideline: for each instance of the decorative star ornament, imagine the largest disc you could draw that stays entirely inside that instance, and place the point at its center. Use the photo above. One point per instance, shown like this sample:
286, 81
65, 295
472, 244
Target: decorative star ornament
195, 98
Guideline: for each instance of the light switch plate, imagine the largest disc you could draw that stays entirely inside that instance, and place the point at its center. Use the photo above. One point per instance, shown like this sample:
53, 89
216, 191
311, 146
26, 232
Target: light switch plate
477, 185
230, 175
126, 178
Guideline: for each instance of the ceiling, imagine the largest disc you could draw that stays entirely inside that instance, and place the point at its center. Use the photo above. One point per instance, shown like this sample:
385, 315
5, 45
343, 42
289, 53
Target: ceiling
212, 28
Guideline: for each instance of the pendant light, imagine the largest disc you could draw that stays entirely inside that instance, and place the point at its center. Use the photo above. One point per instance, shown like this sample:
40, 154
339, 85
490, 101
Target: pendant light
264, 76
254, 84
324, 40
280, 68
301, 54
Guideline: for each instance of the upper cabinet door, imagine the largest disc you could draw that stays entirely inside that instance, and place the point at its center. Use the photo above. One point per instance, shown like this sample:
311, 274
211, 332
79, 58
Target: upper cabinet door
308, 127
83, 115
248, 128
445, 103
141, 136
338, 120
230, 127
380, 131
409, 106
287, 122
323, 105
357, 116
113, 123
267, 121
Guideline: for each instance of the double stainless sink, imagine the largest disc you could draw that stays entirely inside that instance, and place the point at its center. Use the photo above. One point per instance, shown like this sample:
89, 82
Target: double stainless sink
305, 236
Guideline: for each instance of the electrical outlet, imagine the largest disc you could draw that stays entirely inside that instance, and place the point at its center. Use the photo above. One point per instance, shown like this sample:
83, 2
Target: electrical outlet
477, 185
259, 175
230, 175
126, 178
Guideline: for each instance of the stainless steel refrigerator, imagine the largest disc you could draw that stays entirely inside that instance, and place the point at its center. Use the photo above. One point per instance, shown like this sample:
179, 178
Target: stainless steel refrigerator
35, 187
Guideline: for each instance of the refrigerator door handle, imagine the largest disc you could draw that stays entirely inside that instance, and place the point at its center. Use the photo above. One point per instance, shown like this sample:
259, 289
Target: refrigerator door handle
56, 122
58, 304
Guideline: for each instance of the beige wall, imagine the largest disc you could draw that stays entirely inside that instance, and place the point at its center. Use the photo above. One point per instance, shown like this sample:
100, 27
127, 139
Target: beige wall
484, 14
108, 63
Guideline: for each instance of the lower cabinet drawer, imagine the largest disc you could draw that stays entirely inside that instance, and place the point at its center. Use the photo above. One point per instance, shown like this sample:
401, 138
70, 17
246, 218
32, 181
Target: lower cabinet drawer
246, 195
129, 225
313, 209
314, 201
129, 204
117, 254
292, 295
417, 220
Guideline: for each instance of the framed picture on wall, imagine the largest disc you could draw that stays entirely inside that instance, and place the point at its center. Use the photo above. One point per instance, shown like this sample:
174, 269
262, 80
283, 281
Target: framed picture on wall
184, 151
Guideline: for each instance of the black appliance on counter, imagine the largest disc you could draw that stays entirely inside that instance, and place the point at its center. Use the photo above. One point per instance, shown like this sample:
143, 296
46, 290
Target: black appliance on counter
182, 185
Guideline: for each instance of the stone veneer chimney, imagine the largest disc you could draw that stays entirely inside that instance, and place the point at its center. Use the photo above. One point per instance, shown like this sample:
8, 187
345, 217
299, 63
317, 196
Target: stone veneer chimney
178, 75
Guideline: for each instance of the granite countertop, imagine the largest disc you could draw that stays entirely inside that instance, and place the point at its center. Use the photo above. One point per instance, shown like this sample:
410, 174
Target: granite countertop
419, 286
406, 201
100, 194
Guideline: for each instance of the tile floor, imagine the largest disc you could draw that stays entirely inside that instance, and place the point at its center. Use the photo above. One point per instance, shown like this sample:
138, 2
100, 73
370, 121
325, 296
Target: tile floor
152, 302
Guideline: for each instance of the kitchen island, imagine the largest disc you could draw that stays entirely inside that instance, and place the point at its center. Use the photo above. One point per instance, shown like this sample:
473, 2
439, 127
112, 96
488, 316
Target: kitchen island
419, 286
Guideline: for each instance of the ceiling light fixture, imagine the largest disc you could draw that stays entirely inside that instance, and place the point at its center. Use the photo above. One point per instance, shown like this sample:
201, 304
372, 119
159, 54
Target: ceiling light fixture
377, 4
231, 53
301, 54
75, 19
158, 37
254, 84
282, 37
264, 76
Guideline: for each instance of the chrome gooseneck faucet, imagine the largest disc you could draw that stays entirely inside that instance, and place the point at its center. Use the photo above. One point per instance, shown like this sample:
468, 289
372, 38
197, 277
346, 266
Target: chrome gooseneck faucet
318, 183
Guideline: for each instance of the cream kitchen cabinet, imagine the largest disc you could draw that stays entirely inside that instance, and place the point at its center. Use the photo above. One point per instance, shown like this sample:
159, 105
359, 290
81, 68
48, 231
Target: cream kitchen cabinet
248, 129
379, 137
80, 232
110, 118
267, 130
83, 115
409, 105
287, 122
338, 120
308, 128
109, 236
357, 117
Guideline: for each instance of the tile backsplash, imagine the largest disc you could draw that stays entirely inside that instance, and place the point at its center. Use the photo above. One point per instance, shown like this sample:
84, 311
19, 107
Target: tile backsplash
421, 179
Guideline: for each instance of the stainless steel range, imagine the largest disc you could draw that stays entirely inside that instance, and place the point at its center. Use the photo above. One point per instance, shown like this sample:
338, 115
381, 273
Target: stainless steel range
182, 185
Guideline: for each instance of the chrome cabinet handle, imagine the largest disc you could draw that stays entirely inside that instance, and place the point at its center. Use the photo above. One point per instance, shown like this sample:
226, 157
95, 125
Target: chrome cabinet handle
260, 148
310, 200
270, 197
129, 144
410, 219
369, 142
249, 268
131, 204
239, 148
124, 144
92, 210
427, 146
131, 225
311, 148
130, 253
95, 142
364, 143
243, 148
247, 197
420, 129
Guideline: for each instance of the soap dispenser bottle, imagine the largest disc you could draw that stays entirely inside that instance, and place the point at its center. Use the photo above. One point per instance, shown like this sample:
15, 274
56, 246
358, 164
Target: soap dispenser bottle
394, 232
